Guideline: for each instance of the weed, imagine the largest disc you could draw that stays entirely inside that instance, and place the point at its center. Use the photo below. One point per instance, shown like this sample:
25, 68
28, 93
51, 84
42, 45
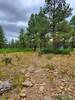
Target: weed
18, 79
7, 60
63, 97
50, 67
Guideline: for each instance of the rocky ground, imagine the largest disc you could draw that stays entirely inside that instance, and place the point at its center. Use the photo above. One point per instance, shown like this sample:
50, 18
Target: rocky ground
33, 77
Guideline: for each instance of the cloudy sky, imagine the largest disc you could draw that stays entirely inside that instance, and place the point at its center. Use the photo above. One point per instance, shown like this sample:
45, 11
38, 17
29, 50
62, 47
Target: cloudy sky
15, 14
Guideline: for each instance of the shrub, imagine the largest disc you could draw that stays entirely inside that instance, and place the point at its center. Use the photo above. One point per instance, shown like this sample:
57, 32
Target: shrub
62, 51
63, 97
11, 50
56, 51
18, 79
50, 67
47, 50
7, 60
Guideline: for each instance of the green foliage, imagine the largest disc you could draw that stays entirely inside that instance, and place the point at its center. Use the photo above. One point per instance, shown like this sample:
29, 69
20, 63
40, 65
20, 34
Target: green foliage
64, 27
56, 51
10, 50
3, 97
62, 51
38, 23
47, 50
7, 60
21, 39
72, 21
2, 38
57, 10
50, 67
63, 97
17, 80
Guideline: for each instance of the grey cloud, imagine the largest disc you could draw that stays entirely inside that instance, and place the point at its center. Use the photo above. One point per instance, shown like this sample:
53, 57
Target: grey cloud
15, 13
12, 10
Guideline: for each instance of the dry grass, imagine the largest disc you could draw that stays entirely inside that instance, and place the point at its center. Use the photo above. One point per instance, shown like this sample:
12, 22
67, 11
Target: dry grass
63, 64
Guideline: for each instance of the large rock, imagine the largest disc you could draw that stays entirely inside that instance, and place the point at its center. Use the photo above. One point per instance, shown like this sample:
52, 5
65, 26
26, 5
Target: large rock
27, 83
5, 86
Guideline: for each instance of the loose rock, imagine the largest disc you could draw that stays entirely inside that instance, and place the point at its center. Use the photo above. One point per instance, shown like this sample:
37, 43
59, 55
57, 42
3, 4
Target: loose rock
23, 93
30, 69
27, 83
41, 89
48, 98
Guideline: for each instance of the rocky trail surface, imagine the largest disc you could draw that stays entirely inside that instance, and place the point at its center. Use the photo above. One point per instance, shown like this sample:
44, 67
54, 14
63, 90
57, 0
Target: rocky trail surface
36, 85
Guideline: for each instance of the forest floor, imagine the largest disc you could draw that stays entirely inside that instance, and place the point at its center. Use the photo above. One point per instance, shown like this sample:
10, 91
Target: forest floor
39, 77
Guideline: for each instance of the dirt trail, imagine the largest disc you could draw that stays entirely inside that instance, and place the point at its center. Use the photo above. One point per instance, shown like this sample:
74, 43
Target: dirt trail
41, 87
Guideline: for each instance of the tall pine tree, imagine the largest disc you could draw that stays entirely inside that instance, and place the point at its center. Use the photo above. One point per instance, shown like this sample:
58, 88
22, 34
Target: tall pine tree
56, 10
2, 38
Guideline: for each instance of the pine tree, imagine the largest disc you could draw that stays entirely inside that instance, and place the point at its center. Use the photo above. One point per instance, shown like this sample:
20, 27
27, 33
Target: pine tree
57, 11
2, 38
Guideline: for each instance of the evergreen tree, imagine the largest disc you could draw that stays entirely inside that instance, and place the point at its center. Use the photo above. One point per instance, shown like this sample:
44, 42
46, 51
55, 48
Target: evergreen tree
56, 10
2, 38
72, 22
38, 23
21, 38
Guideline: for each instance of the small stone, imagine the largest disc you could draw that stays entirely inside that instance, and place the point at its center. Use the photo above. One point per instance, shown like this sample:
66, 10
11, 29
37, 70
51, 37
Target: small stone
61, 87
27, 83
22, 71
30, 69
24, 99
43, 84
48, 98
41, 89
27, 75
23, 95
33, 81
38, 71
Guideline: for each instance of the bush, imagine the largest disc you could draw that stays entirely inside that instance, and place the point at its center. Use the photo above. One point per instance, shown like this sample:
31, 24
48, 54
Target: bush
64, 97
47, 50
62, 51
11, 50
7, 60
50, 67
56, 51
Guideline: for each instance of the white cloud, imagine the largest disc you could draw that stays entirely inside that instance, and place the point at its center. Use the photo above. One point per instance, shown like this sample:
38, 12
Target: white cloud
17, 24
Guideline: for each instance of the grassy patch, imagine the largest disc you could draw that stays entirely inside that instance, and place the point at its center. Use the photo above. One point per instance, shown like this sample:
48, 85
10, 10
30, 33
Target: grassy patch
11, 50
18, 79
50, 67
64, 97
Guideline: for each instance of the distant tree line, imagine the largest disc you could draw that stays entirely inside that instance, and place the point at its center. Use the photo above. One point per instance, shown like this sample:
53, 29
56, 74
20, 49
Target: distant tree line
47, 29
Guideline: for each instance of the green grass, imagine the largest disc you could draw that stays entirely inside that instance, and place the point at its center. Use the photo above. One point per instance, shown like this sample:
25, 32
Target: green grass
11, 50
